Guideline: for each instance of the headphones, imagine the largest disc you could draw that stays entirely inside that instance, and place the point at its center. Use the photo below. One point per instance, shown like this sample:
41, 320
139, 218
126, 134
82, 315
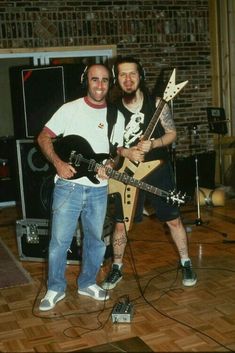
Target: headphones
128, 59
84, 76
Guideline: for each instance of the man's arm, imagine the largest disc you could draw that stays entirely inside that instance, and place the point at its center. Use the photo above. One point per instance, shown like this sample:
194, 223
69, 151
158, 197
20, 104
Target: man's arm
165, 140
64, 170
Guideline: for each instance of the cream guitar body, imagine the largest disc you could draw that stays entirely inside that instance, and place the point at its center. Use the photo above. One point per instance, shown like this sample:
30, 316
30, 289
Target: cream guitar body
129, 193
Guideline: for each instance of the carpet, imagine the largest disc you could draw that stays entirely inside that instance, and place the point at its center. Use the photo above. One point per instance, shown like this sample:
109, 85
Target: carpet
12, 273
133, 344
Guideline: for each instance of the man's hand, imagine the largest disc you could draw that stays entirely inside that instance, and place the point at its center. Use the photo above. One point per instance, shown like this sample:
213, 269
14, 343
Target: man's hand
145, 145
101, 173
65, 170
135, 154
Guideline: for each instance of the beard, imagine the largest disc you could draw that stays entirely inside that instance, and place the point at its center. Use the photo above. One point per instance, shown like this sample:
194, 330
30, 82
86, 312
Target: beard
129, 96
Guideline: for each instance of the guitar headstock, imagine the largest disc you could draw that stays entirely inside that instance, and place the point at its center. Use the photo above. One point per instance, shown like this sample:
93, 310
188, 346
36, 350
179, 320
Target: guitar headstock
172, 89
177, 198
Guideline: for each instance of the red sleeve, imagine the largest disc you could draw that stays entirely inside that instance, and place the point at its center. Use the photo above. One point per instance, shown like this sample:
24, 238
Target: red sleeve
49, 131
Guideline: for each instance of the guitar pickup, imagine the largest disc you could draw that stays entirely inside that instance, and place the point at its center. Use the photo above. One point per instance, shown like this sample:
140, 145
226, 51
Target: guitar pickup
128, 172
92, 165
74, 159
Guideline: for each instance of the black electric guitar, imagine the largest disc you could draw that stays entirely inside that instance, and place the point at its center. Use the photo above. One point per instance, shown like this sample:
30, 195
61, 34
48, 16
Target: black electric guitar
77, 151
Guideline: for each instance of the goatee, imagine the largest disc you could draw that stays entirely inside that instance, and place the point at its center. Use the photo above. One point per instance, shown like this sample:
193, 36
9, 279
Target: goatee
128, 97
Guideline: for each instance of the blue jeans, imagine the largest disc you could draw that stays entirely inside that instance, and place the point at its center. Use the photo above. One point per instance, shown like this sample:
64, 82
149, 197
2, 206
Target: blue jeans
71, 201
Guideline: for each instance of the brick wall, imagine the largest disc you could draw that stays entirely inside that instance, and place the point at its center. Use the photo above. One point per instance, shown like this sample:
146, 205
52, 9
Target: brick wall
162, 34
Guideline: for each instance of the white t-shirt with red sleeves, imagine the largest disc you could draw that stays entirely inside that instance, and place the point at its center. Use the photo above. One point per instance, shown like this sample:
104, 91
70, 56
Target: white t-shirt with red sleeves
81, 117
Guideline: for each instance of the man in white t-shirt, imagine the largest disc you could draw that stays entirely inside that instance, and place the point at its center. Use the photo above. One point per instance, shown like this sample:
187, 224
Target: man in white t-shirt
78, 194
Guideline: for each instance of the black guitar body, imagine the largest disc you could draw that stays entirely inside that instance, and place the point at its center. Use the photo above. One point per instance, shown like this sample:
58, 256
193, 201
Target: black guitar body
70, 146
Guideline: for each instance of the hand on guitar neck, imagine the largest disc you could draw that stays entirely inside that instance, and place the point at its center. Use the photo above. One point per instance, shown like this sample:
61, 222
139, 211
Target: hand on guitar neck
144, 145
136, 153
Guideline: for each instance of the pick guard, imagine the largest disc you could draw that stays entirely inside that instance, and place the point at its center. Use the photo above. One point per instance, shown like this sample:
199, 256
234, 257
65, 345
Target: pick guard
129, 193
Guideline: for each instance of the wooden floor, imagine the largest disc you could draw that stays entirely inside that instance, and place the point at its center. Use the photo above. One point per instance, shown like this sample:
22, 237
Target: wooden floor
167, 316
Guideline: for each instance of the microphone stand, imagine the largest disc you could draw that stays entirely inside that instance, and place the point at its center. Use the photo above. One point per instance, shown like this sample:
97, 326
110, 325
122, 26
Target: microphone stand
198, 220
173, 147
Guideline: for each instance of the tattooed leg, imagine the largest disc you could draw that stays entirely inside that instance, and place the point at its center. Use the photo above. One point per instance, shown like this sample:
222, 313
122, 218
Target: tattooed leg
179, 237
119, 243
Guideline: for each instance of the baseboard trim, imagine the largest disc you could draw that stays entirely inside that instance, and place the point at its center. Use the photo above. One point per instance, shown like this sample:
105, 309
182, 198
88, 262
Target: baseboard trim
7, 204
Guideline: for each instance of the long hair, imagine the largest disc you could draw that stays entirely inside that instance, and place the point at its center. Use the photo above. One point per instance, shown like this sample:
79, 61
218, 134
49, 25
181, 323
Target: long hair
116, 92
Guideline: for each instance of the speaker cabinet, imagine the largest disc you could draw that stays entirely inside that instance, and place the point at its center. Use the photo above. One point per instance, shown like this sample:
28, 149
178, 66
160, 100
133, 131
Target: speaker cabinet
186, 172
37, 92
36, 179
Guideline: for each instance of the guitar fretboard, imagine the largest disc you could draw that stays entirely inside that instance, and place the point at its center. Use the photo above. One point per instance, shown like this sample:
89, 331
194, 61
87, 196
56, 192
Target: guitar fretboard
154, 120
126, 179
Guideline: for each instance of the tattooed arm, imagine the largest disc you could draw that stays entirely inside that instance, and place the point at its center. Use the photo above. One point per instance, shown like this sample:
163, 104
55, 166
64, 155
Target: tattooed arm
170, 132
169, 127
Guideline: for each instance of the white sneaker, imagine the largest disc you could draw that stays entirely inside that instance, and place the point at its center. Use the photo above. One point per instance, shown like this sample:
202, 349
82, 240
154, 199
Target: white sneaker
51, 298
94, 292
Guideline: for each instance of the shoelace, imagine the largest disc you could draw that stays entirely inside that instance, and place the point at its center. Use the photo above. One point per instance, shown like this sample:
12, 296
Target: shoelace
113, 275
188, 272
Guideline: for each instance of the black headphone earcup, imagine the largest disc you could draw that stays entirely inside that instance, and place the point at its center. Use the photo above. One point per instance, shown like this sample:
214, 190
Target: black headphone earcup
84, 79
142, 72
114, 74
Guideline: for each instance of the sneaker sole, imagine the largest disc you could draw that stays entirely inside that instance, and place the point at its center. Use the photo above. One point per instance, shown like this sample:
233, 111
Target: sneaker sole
108, 286
92, 296
54, 304
189, 284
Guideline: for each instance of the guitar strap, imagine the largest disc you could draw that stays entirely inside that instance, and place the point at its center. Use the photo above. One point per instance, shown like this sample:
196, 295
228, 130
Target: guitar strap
112, 113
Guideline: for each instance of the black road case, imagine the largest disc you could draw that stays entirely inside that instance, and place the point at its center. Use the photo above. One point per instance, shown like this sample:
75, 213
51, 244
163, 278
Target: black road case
33, 236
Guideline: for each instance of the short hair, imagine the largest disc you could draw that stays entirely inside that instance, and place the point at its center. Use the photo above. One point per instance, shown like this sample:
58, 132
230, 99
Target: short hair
84, 76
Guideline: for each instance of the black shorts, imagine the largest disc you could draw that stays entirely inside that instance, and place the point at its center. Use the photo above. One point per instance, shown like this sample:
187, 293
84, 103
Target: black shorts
162, 178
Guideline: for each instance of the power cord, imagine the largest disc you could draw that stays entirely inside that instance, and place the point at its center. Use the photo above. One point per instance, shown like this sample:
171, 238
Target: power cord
142, 293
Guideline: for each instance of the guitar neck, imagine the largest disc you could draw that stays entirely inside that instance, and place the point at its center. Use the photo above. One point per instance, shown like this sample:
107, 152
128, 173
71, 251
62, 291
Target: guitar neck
170, 92
154, 120
126, 179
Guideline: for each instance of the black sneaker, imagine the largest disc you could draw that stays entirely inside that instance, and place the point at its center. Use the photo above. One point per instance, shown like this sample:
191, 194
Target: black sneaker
189, 276
114, 276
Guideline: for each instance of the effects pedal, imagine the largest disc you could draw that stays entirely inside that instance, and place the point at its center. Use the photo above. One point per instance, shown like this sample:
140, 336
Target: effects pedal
122, 312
